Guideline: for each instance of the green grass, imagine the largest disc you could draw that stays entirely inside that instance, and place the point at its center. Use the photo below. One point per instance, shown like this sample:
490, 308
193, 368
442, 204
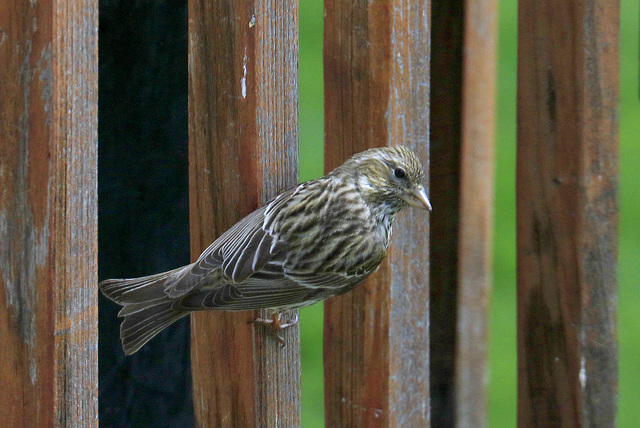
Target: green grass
502, 351
629, 258
311, 166
502, 387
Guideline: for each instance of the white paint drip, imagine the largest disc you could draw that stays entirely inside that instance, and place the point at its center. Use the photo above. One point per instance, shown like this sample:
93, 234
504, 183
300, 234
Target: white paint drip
243, 81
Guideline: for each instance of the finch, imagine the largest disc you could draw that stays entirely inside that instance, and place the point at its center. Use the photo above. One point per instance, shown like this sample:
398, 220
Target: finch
317, 240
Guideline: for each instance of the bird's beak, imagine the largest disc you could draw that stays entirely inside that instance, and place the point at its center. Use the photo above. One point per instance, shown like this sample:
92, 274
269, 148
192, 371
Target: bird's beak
418, 199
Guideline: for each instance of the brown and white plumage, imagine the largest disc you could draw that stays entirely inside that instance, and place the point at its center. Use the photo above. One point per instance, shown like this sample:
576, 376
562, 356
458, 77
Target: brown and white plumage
317, 240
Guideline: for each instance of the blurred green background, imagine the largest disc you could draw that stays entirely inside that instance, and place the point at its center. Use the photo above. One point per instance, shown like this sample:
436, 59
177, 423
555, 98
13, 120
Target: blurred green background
502, 387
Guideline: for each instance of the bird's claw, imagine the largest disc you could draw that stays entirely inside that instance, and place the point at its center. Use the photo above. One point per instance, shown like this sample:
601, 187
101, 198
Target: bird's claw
275, 325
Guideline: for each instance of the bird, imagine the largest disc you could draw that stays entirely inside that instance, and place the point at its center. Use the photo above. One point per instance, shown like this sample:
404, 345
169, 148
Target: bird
316, 240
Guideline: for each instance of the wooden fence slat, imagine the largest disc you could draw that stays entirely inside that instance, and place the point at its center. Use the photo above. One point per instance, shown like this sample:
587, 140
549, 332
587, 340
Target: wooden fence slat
48, 213
243, 101
567, 214
476, 213
462, 130
376, 349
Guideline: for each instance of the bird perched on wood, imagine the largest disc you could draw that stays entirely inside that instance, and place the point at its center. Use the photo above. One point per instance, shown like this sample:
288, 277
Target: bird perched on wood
312, 242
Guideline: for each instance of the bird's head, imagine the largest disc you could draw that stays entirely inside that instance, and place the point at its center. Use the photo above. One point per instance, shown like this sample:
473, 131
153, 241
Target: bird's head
389, 177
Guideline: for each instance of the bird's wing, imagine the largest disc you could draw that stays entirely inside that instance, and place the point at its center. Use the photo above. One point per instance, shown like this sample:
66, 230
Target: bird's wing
260, 293
329, 280
245, 268
238, 297
241, 251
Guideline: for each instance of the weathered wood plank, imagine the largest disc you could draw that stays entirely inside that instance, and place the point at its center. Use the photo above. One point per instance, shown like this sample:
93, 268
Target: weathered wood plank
243, 101
48, 213
376, 93
476, 212
462, 130
567, 213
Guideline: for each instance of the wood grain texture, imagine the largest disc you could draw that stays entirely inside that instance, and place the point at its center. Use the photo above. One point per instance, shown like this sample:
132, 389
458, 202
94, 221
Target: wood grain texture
376, 352
48, 213
567, 213
243, 98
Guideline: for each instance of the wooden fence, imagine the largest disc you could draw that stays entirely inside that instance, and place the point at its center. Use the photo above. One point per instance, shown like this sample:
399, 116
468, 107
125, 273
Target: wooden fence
48, 213
408, 348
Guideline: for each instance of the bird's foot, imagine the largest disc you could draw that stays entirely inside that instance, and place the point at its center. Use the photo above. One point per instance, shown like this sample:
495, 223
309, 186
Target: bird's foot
275, 324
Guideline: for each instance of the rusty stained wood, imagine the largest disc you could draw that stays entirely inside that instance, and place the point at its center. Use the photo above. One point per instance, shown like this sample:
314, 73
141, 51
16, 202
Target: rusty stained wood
48, 213
462, 170
567, 212
243, 98
376, 338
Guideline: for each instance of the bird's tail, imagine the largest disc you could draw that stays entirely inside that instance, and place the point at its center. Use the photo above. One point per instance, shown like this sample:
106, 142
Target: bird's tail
147, 310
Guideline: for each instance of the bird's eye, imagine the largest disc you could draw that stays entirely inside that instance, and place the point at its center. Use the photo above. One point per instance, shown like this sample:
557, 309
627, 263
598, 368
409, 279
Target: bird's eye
399, 173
